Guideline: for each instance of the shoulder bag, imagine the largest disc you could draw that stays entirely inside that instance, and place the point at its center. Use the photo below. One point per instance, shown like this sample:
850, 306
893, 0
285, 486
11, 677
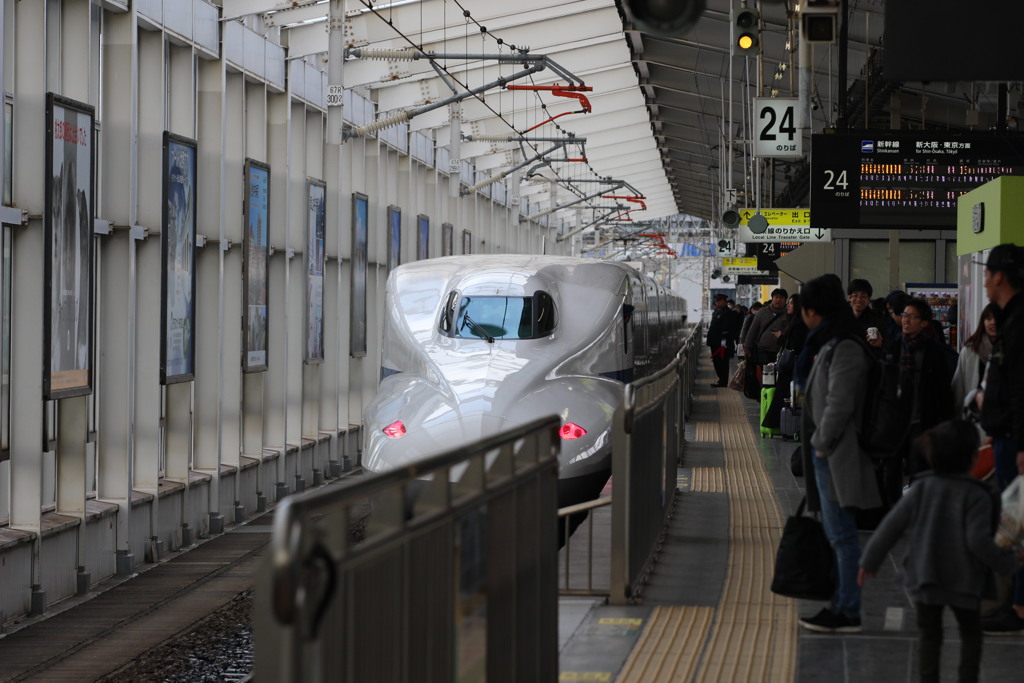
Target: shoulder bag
805, 564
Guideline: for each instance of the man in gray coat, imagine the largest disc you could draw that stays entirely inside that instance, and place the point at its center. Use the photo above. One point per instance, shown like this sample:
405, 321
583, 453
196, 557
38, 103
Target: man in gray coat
843, 477
761, 342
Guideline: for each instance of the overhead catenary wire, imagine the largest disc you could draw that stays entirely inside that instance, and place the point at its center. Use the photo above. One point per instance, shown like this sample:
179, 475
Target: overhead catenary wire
568, 183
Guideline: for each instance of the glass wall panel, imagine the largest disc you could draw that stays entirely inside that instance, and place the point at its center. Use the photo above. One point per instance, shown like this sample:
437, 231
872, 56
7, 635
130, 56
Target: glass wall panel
917, 261
869, 259
951, 261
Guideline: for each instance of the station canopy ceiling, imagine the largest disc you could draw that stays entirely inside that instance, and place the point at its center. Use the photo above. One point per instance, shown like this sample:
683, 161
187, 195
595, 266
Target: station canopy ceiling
660, 106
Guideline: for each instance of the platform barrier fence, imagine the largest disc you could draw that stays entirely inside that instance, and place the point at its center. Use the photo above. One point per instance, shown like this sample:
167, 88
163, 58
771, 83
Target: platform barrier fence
394, 578
646, 448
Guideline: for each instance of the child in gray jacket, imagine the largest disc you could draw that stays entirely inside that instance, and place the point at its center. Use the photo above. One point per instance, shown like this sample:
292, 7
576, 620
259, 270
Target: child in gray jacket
948, 519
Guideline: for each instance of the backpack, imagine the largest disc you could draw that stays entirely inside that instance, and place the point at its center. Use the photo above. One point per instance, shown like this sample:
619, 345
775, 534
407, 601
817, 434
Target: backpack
884, 420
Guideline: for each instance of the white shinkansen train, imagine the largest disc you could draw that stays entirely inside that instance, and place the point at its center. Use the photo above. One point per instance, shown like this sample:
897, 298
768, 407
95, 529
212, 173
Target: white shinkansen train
476, 344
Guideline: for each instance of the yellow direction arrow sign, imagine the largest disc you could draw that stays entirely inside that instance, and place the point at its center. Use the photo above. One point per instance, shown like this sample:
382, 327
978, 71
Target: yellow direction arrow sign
779, 225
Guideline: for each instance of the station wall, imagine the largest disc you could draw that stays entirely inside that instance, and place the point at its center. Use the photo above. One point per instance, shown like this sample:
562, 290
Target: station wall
224, 441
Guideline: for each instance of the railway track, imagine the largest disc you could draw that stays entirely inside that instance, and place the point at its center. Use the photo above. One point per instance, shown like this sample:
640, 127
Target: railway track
187, 618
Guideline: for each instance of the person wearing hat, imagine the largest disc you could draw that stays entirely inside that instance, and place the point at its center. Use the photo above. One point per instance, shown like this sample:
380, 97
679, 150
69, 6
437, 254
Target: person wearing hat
1001, 398
722, 333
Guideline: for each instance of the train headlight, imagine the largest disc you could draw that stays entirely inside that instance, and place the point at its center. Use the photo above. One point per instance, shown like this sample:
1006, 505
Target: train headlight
395, 430
570, 430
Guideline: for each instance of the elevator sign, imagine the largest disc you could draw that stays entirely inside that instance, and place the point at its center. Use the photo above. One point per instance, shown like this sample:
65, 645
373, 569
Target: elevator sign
776, 131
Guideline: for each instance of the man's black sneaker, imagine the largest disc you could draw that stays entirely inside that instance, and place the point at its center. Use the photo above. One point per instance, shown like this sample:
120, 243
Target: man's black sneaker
827, 621
1006, 623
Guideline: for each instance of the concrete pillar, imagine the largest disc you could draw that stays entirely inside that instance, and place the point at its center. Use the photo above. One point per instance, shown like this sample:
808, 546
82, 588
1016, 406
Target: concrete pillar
210, 334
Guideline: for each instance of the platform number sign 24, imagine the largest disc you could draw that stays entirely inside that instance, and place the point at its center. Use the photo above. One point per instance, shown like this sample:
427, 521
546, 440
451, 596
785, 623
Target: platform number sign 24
776, 131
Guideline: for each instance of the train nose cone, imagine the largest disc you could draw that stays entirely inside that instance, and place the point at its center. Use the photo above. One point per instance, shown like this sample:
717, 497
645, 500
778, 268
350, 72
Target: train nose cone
383, 453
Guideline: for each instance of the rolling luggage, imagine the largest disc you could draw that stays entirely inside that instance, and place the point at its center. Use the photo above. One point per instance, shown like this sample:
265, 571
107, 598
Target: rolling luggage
789, 423
767, 394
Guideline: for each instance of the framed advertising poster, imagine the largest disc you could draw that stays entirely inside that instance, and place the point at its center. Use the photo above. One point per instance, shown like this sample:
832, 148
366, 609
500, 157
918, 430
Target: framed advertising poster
394, 237
67, 325
422, 237
360, 228
447, 239
256, 214
316, 194
467, 242
178, 275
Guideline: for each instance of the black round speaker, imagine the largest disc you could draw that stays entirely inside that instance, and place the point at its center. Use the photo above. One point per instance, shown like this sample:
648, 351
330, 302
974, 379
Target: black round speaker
757, 223
665, 17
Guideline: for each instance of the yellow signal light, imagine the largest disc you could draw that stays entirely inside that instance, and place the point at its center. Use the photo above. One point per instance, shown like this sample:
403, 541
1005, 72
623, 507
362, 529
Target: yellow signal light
745, 23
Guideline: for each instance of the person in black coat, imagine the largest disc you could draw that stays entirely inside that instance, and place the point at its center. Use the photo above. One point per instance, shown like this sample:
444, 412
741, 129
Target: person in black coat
1002, 401
925, 391
722, 333
859, 295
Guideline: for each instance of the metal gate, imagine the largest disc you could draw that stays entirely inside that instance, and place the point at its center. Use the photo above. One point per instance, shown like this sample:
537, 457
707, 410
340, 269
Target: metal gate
444, 570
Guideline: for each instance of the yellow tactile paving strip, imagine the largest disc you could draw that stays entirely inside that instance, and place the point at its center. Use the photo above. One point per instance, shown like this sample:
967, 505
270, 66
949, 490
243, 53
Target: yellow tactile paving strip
670, 646
752, 635
707, 480
708, 432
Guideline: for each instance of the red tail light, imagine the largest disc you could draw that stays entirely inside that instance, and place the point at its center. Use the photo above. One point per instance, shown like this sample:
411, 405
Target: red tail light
395, 430
571, 431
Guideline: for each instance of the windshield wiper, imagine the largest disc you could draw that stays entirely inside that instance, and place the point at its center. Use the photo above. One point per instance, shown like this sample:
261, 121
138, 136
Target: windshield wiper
477, 328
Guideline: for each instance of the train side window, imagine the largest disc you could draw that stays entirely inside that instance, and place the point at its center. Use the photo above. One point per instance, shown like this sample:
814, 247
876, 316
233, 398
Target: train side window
448, 313
627, 315
545, 312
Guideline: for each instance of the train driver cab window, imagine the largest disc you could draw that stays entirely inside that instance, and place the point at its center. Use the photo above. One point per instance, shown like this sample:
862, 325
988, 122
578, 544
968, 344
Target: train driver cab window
498, 317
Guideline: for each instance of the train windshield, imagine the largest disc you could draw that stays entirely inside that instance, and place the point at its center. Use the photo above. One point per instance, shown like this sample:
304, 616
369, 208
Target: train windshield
498, 317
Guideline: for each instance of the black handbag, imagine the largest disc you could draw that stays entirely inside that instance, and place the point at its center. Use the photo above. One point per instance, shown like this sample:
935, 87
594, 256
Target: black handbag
805, 564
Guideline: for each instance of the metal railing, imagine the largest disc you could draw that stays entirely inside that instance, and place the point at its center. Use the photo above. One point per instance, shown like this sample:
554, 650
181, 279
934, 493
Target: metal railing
646, 450
644, 474
452, 578
577, 564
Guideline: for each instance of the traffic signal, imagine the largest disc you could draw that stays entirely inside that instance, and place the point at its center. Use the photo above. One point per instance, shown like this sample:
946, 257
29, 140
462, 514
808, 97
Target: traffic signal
745, 31
731, 217
818, 21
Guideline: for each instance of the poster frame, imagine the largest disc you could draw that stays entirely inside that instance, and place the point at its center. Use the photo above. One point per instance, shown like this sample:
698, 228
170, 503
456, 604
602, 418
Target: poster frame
394, 237
316, 232
360, 231
80, 383
422, 237
447, 239
170, 141
254, 279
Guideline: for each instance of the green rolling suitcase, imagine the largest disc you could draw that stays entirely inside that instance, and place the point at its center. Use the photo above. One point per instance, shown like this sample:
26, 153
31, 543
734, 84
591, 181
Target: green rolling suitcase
767, 394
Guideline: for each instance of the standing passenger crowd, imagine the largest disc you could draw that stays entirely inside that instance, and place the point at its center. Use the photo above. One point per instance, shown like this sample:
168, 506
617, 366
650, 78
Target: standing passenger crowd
892, 420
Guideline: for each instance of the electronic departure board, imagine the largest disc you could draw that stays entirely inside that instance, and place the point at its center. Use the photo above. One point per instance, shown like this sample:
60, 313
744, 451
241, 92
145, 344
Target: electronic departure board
904, 178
